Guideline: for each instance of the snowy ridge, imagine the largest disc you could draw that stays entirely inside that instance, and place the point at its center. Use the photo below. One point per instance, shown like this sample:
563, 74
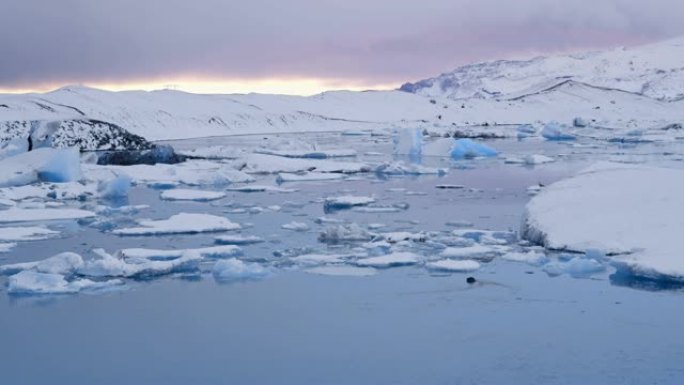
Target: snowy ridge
641, 87
655, 71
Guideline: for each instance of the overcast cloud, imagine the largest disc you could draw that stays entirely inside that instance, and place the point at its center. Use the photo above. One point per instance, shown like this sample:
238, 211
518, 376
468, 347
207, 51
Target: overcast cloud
379, 41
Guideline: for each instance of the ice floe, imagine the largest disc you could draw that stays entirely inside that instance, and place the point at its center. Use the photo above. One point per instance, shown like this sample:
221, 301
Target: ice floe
191, 195
296, 226
15, 214
346, 202
14, 234
183, 223
401, 168
308, 177
344, 233
401, 258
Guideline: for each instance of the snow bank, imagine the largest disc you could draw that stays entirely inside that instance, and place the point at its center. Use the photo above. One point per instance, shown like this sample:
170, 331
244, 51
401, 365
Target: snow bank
183, 223
617, 209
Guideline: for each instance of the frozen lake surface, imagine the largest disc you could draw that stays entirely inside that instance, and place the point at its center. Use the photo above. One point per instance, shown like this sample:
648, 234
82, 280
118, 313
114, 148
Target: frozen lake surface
518, 323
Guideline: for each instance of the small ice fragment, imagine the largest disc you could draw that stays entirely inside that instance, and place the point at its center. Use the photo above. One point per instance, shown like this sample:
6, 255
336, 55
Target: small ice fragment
237, 240
555, 131
296, 226
236, 270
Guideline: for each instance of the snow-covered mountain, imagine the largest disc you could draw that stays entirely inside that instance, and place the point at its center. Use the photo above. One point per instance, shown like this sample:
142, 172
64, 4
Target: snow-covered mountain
654, 70
616, 90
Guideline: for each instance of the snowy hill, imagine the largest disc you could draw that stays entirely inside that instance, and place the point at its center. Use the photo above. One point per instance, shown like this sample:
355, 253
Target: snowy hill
616, 90
655, 71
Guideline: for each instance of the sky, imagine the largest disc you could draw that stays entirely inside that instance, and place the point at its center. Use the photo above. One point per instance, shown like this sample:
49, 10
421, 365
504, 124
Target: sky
299, 46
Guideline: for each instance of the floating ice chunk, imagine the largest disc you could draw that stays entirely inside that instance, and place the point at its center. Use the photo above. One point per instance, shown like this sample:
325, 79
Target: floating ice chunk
395, 208
488, 237
318, 259
311, 154
473, 252
451, 265
618, 209
118, 266
401, 168
15, 214
252, 188
468, 149
401, 236
116, 187
534, 190
14, 234
555, 131
409, 141
6, 248
344, 233
43, 164
308, 177
31, 282
526, 130
346, 202
269, 164
237, 240
296, 226
537, 159
343, 271
530, 257
390, 260
183, 223
577, 267
216, 252
237, 270
191, 195
64, 263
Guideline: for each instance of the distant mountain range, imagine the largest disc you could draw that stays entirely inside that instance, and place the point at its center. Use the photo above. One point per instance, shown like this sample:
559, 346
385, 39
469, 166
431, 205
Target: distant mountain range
616, 90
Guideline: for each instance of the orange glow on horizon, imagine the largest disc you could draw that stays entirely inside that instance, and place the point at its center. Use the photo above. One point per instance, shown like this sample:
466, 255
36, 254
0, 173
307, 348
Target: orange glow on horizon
285, 86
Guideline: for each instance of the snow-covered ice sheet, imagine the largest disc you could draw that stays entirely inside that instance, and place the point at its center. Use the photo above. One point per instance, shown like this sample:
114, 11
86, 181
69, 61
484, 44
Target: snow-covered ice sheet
183, 223
617, 209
